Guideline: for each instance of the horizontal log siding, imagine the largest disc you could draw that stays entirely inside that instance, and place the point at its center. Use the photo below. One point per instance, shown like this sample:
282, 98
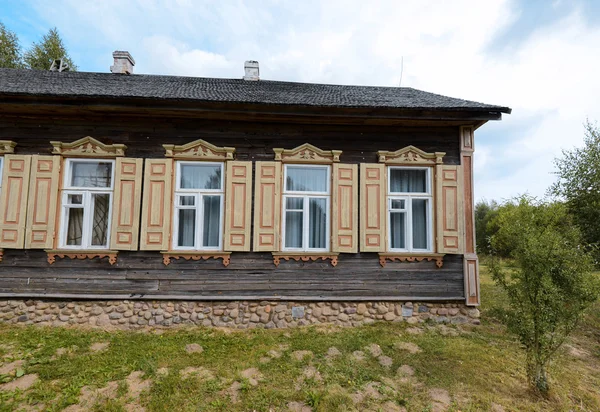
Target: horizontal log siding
249, 275
139, 274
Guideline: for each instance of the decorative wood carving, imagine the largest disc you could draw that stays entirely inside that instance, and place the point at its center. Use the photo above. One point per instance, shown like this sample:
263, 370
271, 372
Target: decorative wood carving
1, 255
333, 257
7, 146
82, 254
88, 147
199, 150
411, 156
392, 257
307, 153
167, 256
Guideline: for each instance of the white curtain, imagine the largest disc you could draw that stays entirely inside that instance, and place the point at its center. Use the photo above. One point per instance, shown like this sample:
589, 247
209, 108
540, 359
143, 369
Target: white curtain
75, 227
200, 176
306, 179
419, 223
398, 230
294, 218
91, 174
212, 220
101, 204
317, 223
408, 181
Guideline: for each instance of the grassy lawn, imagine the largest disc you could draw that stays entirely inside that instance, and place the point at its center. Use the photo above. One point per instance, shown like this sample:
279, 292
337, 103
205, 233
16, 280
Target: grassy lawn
388, 367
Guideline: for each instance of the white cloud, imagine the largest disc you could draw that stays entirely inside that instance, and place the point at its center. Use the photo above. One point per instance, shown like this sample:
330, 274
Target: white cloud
549, 79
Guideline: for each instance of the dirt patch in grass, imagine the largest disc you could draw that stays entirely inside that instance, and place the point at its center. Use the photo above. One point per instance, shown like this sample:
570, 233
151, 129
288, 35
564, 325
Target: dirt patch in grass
23, 383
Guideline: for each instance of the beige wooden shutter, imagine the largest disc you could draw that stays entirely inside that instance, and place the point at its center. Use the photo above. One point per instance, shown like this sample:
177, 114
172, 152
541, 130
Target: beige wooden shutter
238, 201
13, 201
44, 185
125, 223
344, 210
449, 214
372, 207
157, 204
267, 207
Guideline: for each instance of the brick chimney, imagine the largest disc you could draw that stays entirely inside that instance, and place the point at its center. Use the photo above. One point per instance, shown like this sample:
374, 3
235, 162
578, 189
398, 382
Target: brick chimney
251, 70
123, 63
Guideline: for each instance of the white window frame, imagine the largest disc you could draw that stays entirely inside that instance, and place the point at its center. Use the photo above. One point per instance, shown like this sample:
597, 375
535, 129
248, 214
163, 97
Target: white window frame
305, 217
408, 198
1, 171
86, 204
199, 206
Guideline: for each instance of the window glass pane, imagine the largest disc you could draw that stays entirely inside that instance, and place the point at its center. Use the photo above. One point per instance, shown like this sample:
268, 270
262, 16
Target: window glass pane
408, 181
317, 223
212, 221
296, 203
306, 179
91, 174
187, 200
75, 199
100, 219
199, 176
293, 229
187, 227
398, 230
74, 226
419, 223
398, 203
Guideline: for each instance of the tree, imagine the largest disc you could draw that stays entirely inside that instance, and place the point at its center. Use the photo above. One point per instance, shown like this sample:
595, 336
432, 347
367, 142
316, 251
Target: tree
10, 49
578, 184
484, 213
550, 283
41, 55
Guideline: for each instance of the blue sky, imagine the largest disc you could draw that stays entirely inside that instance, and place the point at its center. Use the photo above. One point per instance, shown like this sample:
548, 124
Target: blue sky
539, 57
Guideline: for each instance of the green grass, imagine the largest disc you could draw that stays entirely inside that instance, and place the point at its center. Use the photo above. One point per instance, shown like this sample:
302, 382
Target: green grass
479, 367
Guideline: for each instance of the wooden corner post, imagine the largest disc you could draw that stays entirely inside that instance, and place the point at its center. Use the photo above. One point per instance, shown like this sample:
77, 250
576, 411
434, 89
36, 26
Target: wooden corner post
470, 262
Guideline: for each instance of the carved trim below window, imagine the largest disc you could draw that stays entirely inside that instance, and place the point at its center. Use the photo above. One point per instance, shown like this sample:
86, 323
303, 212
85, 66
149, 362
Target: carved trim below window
199, 150
307, 153
82, 254
1, 255
410, 156
7, 146
305, 257
430, 257
167, 256
88, 147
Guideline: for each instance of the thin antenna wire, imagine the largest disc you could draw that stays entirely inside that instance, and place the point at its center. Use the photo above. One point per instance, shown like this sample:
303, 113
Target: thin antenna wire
401, 71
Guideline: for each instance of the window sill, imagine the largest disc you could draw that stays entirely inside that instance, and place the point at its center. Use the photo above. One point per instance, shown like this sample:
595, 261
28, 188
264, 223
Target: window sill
82, 254
412, 257
195, 255
305, 257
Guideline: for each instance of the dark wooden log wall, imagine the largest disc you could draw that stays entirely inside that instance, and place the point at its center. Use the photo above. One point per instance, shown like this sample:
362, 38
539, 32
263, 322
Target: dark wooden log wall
26, 273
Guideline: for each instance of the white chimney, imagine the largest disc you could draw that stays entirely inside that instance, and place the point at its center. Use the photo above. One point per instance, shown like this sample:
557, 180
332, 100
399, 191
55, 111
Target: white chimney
251, 70
123, 63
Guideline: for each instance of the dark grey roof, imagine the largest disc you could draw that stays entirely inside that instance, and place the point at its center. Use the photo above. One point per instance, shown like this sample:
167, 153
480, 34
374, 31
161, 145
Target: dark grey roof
109, 85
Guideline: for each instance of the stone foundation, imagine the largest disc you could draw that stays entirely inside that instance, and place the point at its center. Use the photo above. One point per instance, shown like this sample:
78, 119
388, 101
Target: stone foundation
126, 314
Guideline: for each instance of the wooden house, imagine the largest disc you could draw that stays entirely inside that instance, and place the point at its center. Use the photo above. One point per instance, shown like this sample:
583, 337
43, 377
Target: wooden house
118, 186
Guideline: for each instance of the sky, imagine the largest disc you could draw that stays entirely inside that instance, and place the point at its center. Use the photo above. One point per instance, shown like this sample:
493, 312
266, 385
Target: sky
539, 57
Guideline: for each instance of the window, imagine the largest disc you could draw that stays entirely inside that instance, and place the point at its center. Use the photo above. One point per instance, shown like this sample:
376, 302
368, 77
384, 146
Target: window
87, 204
198, 206
409, 207
306, 208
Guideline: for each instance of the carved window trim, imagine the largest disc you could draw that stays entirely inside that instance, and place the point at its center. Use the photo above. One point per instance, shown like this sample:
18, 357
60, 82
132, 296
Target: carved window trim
7, 147
199, 150
412, 257
195, 255
410, 156
305, 257
307, 153
82, 254
88, 147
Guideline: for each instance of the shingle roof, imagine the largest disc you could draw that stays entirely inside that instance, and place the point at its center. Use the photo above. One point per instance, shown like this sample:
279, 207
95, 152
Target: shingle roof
200, 89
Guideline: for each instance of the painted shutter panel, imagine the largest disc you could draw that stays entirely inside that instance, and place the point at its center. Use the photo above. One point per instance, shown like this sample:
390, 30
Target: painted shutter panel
449, 209
267, 207
13, 201
125, 225
44, 185
238, 206
372, 207
157, 202
344, 213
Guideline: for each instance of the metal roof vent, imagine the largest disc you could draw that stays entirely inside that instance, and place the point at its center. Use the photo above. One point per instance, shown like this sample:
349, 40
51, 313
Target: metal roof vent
123, 62
251, 70
59, 65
